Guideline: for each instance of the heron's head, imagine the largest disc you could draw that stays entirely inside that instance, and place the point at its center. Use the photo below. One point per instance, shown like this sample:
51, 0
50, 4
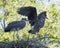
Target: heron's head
44, 14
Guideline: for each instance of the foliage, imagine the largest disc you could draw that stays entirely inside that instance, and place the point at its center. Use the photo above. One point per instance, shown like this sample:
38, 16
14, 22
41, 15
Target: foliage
49, 35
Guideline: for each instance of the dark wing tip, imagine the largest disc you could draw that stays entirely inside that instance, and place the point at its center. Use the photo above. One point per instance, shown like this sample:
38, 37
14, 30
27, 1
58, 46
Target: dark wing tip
6, 30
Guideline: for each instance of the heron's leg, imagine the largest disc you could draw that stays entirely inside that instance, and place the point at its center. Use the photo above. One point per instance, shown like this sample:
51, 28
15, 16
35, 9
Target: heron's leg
14, 36
17, 36
28, 27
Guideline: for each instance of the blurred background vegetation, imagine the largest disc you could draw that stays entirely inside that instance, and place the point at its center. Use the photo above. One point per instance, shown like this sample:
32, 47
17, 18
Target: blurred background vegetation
49, 35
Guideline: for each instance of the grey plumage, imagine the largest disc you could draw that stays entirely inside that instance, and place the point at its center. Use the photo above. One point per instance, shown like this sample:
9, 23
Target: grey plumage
36, 21
39, 23
30, 12
14, 26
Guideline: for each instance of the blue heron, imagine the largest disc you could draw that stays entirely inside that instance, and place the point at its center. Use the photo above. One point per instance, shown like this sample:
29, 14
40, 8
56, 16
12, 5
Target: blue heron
15, 25
39, 23
36, 21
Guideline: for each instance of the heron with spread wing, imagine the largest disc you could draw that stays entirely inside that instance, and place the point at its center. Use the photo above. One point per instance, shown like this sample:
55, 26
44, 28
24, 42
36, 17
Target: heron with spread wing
37, 21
